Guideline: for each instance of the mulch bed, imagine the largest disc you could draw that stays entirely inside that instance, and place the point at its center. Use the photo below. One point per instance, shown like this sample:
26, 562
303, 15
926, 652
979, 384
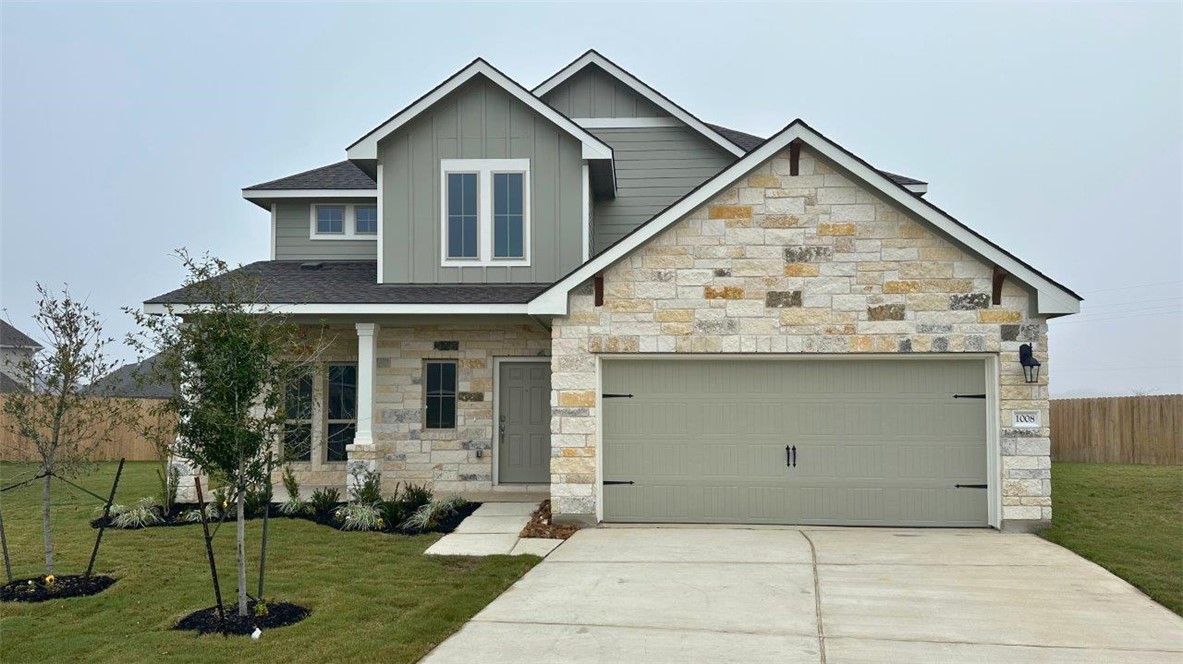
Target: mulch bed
174, 519
540, 525
38, 589
279, 614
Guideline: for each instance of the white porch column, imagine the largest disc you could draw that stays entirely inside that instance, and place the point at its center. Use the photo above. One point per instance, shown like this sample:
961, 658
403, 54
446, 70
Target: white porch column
363, 455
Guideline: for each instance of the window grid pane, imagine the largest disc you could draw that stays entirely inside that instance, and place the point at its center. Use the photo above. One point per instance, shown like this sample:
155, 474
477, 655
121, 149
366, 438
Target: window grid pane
508, 217
330, 219
341, 413
440, 398
366, 220
296, 443
462, 215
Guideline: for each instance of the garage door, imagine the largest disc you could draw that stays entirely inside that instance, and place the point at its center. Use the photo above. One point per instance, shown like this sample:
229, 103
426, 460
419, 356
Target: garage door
843, 442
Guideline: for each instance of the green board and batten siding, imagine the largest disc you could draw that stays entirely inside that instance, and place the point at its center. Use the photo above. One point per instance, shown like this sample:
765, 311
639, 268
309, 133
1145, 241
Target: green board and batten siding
593, 93
292, 228
878, 442
479, 121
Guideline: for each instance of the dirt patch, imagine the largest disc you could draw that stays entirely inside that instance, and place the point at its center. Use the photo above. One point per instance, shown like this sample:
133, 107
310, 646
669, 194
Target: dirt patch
278, 614
43, 588
540, 525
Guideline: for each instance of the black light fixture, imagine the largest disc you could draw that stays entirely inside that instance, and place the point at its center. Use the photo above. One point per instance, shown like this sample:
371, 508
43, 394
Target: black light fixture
1030, 364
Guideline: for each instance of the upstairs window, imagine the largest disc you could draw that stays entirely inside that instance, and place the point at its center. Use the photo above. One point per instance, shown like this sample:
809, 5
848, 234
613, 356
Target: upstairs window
365, 219
330, 219
485, 212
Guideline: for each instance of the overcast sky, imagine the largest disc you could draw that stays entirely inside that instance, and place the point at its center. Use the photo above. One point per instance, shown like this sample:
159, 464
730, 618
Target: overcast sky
1054, 130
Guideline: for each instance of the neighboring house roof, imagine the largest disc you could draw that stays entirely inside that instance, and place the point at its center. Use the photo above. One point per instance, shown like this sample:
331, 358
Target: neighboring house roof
1052, 298
10, 337
351, 286
341, 175
131, 381
8, 384
366, 147
592, 58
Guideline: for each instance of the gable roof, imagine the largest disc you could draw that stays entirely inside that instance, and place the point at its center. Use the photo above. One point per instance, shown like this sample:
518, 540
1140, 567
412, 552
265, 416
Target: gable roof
366, 147
131, 381
1052, 298
592, 58
10, 337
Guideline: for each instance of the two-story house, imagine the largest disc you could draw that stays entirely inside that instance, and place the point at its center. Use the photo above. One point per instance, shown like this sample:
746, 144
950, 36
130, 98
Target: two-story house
582, 291
16, 347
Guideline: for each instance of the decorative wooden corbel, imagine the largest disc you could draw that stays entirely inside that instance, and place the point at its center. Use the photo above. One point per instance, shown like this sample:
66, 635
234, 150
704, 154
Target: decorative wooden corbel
795, 156
999, 277
598, 282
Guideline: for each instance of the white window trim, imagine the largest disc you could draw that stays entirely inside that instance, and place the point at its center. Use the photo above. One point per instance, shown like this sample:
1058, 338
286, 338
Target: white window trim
349, 223
484, 168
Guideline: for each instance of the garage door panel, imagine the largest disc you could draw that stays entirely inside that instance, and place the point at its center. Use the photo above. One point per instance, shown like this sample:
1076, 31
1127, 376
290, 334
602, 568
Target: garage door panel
878, 442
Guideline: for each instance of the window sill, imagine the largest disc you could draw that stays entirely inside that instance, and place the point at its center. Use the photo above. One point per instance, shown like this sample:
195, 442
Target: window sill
488, 262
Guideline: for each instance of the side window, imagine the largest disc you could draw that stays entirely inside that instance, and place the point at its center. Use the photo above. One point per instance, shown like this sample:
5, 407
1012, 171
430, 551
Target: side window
365, 220
341, 414
440, 395
508, 215
297, 427
330, 219
462, 215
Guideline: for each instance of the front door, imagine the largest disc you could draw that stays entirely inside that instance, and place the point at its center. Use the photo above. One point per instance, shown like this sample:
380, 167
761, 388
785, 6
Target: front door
523, 426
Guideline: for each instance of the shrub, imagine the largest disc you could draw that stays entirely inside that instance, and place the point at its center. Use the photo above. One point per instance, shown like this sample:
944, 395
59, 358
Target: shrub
394, 512
294, 505
324, 501
416, 496
359, 516
145, 512
257, 501
433, 513
367, 488
212, 513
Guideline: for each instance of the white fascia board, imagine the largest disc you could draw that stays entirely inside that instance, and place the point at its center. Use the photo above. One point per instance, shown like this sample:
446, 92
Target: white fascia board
1052, 300
916, 188
659, 100
271, 194
352, 309
367, 146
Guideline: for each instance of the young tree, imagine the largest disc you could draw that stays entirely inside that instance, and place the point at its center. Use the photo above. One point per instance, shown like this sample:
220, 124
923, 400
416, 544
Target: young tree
228, 358
60, 419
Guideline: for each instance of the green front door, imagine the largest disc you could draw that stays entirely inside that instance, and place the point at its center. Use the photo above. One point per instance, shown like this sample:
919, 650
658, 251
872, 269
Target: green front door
842, 442
523, 427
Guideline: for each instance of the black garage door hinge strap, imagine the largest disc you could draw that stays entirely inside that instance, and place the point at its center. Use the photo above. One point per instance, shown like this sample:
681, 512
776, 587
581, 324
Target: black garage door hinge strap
969, 396
616, 396
969, 486
607, 482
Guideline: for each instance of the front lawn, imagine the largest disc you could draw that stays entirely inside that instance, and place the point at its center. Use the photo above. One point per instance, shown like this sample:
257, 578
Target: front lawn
373, 596
1127, 519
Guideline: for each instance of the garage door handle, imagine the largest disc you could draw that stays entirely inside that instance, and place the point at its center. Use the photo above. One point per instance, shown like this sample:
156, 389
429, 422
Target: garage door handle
790, 456
610, 482
969, 486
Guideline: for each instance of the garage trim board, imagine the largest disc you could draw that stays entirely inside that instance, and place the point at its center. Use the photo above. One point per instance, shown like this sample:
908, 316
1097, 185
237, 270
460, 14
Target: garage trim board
989, 368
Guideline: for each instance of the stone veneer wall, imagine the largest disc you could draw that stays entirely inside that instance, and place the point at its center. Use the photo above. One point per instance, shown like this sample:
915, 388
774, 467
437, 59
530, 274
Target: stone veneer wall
812, 263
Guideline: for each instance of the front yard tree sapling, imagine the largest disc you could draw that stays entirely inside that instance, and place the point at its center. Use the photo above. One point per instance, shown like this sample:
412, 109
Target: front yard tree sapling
228, 358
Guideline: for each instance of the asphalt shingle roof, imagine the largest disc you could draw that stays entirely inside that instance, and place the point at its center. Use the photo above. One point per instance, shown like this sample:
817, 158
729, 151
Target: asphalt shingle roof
341, 175
8, 385
355, 282
10, 337
131, 381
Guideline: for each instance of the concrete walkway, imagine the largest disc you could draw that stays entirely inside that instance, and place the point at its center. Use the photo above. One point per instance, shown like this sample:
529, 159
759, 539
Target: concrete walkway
825, 595
491, 530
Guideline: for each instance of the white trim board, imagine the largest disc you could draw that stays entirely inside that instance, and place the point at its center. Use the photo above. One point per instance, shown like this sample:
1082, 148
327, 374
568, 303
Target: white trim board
496, 449
268, 194
366, 147
1052, 299
485, 169
655, 97
351, 309
348, 223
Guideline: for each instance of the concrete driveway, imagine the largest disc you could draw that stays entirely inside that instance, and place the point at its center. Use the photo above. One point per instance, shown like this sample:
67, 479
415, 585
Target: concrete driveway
815, 595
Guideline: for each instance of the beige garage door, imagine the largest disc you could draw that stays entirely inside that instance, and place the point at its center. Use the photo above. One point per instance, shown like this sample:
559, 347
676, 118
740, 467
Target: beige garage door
843, 442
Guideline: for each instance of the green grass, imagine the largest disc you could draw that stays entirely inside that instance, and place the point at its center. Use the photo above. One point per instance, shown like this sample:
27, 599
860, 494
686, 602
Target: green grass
374, 597
1127, 519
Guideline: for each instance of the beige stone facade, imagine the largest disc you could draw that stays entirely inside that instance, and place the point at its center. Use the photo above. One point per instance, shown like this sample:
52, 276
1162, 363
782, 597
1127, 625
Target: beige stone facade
813, 263
456, 460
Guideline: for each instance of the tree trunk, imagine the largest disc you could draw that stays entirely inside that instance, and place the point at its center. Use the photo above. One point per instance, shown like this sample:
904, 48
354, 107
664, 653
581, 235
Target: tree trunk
241, 537
46, 535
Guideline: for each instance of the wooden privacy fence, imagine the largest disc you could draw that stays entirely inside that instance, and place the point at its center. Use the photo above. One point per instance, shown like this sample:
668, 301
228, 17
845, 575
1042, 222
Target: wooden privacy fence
126, 441
1144, 429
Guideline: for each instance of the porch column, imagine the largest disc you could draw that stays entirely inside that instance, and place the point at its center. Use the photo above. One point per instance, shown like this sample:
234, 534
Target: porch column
363, 453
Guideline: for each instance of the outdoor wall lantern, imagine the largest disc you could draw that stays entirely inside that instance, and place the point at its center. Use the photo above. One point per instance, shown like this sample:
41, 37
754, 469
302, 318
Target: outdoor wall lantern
1030, 364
